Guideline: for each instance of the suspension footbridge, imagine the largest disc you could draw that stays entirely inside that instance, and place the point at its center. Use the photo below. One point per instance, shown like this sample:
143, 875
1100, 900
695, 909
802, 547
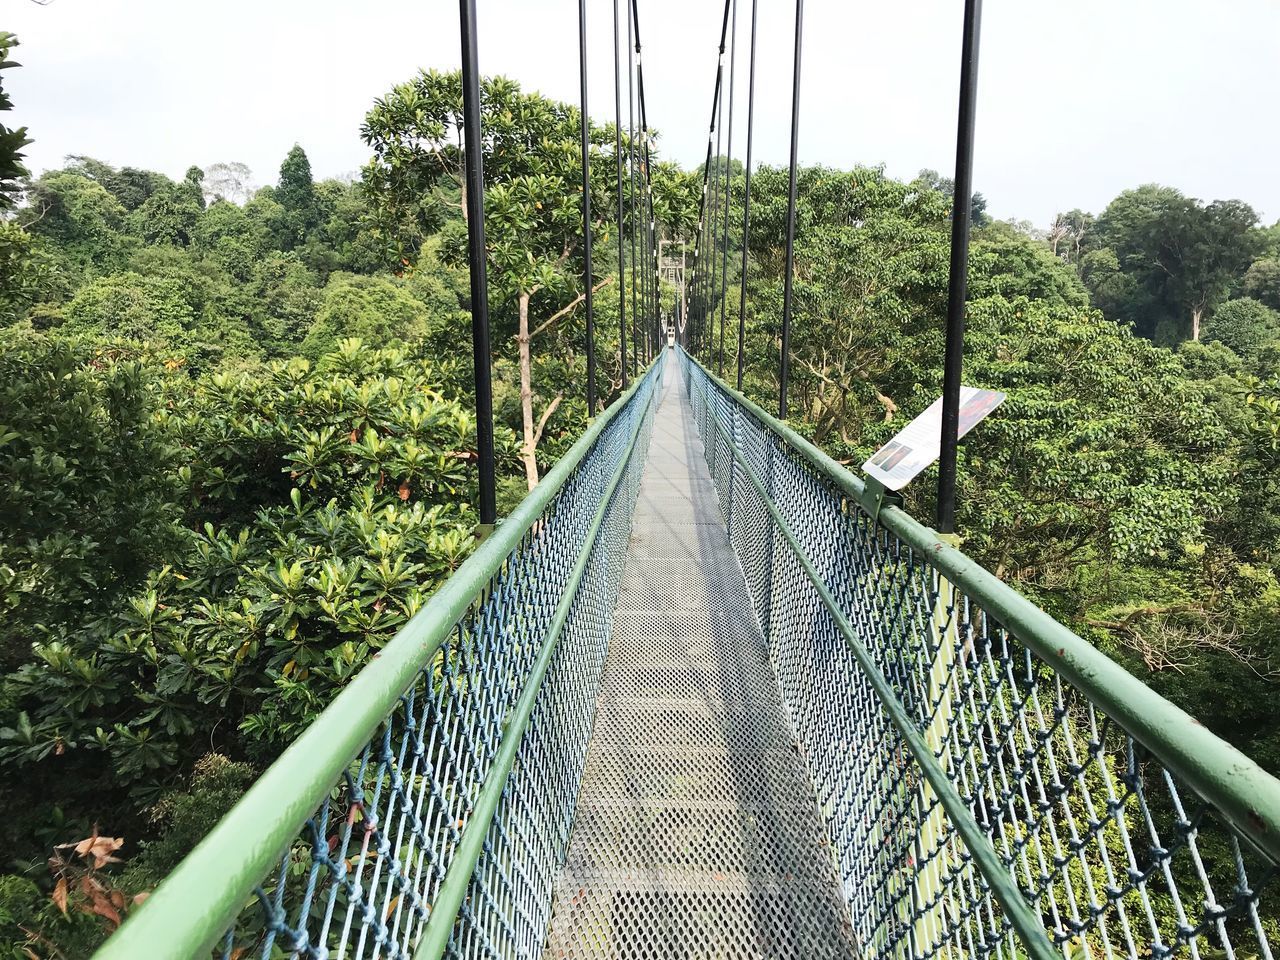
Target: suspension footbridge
707, 695
693, 700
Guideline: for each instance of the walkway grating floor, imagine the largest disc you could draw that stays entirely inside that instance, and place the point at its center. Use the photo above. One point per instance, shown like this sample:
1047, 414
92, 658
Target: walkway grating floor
697, 834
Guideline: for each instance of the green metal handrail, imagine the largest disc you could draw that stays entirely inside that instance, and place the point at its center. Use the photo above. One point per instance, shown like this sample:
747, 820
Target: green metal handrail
200, 899
435, 939
1246, 795
1015, 906
985, 694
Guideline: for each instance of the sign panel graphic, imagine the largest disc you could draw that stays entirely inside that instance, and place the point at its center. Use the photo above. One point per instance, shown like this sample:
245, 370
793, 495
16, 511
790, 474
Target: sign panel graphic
918, 444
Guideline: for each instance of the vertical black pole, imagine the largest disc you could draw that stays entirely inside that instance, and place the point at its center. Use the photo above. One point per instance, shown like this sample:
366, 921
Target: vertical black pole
587, 278
617, 150
957, 288
700, 254
474, 164
716, 279
785, 364
631, 193
650, 289
728, 185
746, 200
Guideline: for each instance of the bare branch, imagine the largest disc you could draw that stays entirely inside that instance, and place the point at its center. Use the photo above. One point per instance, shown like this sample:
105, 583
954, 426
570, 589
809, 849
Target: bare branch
569, 308
546, 415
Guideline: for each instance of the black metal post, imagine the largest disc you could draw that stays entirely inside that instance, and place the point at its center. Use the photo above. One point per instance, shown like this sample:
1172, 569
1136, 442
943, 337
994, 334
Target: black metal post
957, 287
700, 271
587, 275
728, 185
480, 351
746, 199
646, 261
617, 150
715, 222
651, 253
785, 361
631, 193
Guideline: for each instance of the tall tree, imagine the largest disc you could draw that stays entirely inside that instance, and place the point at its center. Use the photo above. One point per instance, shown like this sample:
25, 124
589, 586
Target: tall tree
1202, 250
296, 193
533, 219
232, 182
1181, 255
1069, 234
945, 185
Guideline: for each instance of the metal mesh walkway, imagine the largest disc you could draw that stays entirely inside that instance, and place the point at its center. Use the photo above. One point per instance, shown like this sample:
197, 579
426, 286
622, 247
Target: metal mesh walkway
697, 833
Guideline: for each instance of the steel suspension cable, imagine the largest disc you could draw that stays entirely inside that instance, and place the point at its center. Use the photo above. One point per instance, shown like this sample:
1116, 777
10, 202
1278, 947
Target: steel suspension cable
588, 279
617, 152
746, 199
651, 232
631, 190
700, 271
728, 183
788, 278
715, 215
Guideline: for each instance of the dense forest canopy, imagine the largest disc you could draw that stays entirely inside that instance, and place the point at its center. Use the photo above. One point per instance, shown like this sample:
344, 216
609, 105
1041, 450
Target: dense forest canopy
236, 436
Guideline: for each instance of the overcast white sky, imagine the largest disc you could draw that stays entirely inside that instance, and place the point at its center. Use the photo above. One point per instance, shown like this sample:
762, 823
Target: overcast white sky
1078, 100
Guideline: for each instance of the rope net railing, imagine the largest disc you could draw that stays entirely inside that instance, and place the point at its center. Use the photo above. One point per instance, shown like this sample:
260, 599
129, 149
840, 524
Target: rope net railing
980, 799
443, 828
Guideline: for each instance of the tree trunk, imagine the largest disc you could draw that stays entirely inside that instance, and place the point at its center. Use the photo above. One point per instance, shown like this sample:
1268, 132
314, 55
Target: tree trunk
528, 451
1197, 314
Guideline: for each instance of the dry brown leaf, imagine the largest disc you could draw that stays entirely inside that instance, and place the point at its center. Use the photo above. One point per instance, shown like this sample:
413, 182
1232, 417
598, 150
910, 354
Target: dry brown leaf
60, 895
103, 908
100, 848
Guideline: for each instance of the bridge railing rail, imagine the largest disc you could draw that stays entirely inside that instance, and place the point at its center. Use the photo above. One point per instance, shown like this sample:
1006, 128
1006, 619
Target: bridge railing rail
429, 806
990, 782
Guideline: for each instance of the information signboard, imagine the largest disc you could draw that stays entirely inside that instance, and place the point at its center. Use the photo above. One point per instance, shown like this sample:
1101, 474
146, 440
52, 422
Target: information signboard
918, 444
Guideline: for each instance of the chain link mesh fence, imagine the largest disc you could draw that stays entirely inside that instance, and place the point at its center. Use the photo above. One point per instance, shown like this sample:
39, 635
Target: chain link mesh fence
362, 876
1115, 856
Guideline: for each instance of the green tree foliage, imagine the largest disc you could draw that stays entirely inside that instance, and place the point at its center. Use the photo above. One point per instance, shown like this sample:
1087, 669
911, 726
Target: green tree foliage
1245, 325
377, 309
29, 274
168, 302
1262, 281
1180, 257
85, 503
131, 305
296, 195
80, 219
328, 500
168, 215
1070, 235
12, 139
533, 225
978, 216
